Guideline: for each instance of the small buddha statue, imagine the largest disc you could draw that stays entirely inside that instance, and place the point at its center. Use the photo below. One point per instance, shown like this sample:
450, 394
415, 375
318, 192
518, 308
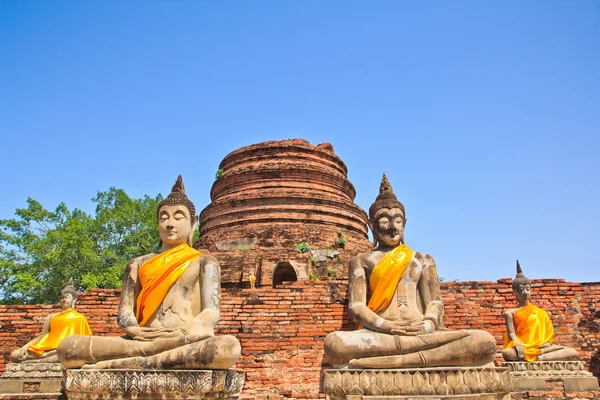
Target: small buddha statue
252, 279
529, 331
394, 296
169, 306
57, 326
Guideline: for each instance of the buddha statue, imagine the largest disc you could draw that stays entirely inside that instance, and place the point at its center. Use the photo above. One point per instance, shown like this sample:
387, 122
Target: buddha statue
57, 326
529, 331
169, 306
394, 296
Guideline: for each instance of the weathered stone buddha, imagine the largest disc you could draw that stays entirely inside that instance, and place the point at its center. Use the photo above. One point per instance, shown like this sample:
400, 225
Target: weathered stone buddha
529, 331
57, 326
394, 295
169, 306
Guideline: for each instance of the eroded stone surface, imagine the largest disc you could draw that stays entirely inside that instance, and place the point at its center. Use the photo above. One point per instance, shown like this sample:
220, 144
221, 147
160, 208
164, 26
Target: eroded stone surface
569, 376
439, 383
137, 384
33, 370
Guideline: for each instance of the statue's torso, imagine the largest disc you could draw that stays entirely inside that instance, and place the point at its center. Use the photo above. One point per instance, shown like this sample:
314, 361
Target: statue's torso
182, 302
405, 304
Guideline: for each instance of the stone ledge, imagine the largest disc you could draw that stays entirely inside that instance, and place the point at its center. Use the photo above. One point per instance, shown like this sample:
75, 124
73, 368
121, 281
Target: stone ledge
568, 376
29, 386
31, 396
27, 370
547, 368
160, 384
419, 383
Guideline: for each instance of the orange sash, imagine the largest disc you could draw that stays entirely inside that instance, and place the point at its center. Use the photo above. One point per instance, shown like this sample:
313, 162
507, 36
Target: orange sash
63, 324
386, 275
533, 328
158, 274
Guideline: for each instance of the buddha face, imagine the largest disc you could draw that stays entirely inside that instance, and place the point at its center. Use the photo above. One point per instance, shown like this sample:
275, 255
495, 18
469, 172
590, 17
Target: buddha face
66, 300
523, 291
175, 224
389, 226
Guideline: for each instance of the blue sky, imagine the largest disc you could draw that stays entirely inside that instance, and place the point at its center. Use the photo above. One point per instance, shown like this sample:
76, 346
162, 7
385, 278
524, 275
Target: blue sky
484, 115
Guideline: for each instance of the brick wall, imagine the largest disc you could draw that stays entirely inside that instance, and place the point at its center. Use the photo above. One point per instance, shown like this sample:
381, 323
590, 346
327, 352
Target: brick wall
282, 330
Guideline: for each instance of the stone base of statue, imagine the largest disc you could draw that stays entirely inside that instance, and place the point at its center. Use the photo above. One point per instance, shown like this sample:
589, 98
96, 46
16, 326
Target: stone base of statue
31, 377
149, 384
456, 383
568, 376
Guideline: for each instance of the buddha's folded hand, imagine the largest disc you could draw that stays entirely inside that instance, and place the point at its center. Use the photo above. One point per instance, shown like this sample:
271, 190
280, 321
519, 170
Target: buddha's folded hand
415, 328
147, 334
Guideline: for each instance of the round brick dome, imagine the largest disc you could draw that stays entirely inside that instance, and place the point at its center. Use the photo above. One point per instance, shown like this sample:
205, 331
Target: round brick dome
283, 192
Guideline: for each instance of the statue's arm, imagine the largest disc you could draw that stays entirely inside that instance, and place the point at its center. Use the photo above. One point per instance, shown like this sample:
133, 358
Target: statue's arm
20, 354
429, 288
45, 330
357, 299
127, 302
210, 294
512, 335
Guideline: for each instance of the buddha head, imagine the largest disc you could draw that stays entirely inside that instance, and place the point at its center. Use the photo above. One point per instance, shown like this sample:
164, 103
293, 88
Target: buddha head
521, 285
68, 296
387, 217
177, 218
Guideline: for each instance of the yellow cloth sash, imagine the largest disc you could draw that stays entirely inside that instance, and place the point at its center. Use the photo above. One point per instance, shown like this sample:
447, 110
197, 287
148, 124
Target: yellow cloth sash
158, 274
533, 329
386, 275
63, 324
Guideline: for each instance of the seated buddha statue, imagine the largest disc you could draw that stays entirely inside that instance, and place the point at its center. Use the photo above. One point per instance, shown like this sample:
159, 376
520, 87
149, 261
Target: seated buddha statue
169, 306
394, 296
57, 326
529, 331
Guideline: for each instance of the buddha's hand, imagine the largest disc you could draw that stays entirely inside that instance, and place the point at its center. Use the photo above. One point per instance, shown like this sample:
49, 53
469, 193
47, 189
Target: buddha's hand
520, 351
146, 334
20, 354
415, 328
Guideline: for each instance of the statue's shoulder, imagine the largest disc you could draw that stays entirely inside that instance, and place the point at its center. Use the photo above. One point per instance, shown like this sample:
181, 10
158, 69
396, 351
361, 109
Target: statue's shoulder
510, 311
206, 259
364, 259
424, 258
138, 261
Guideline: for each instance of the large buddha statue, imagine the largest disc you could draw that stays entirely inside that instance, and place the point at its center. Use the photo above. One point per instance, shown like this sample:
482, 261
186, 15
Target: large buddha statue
57, 326
169, 306
529, 331
394, 295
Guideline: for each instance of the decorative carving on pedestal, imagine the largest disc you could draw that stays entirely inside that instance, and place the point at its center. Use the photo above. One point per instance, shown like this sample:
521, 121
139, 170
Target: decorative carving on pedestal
439, 383
147, 384
542, 375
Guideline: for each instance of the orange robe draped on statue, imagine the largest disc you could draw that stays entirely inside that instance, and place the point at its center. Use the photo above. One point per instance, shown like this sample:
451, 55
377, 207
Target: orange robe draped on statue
63, 324
533, 328
158, 274
386, 275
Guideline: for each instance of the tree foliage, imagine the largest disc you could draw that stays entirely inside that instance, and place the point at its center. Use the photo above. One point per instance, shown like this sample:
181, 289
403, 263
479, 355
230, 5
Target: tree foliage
40, 249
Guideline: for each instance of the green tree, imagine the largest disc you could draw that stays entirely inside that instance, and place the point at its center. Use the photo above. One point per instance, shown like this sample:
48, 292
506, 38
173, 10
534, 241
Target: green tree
40, 249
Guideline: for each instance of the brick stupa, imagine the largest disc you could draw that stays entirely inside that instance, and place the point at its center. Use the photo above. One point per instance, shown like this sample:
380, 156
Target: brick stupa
274, 196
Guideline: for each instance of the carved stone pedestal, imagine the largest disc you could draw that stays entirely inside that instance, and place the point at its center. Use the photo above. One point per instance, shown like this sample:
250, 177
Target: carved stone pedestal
31, 378
420, 383
567, 376
161, 384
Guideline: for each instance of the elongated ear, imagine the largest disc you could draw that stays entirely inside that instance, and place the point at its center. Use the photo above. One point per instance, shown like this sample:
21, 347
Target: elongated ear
194, 227
375, 241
